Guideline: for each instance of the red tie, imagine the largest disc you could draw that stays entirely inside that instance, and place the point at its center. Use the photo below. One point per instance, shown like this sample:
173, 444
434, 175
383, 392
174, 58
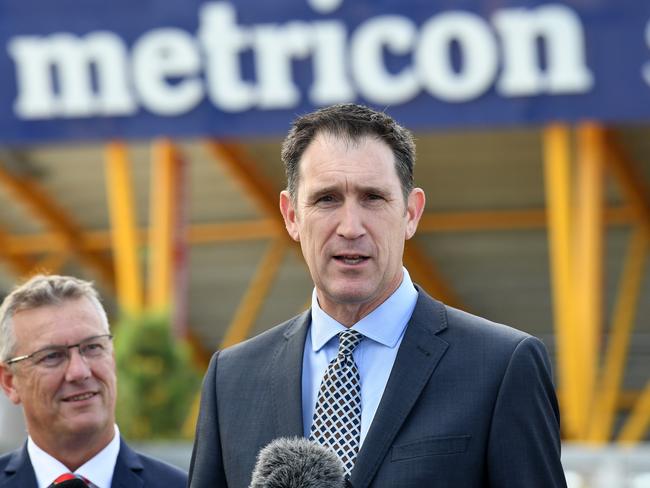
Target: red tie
69, 480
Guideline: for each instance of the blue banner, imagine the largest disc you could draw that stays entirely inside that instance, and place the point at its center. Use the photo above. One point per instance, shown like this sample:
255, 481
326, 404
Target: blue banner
91, 69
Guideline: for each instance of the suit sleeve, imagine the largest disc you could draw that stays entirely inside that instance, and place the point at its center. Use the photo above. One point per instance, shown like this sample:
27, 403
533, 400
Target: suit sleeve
206, 467
524, 443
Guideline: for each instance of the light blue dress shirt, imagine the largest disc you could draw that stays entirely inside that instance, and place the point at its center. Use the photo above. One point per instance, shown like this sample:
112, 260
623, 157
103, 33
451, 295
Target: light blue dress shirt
383, 329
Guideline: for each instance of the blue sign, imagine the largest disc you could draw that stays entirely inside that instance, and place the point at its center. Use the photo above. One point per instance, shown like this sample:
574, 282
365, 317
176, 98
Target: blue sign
91, 69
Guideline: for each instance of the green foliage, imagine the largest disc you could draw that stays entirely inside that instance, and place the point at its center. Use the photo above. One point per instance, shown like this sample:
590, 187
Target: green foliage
156, 380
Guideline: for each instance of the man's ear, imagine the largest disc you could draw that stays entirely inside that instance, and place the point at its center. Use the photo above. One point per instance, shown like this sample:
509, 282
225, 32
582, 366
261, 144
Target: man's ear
7, 382
414, 208
289, 215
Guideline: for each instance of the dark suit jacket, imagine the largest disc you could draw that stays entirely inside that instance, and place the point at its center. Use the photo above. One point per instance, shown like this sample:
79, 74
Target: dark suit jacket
132, 470
469, 403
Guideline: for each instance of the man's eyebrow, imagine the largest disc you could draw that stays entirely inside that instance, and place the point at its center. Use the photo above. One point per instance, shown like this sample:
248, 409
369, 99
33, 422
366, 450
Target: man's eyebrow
51, 345
48, 346
362, 189
374, 190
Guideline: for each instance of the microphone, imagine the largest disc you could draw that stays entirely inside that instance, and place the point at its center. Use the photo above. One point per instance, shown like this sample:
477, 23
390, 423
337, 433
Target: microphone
296, 462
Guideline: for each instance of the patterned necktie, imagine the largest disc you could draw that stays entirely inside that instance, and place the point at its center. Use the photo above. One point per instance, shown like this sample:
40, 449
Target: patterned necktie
337, 417
69, 480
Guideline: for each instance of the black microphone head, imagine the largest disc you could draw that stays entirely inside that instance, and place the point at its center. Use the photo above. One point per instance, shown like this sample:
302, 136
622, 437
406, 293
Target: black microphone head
297, 462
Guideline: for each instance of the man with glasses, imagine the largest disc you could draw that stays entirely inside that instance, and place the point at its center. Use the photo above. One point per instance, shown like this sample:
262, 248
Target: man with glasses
57, 361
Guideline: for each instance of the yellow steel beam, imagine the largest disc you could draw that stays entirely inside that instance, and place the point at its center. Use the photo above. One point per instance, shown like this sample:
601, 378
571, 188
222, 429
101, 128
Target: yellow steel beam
626, 399
506, 219
588, 259
234, 231
255, 295
21, 265
267, 228
637, 194
482, 219
123, 228
424, 272
631, 180
101, 240
557, 166
28, 244
608, 393
234, 158
200, 353
51, 263
201, 358
43, 206
163, 216
638, 421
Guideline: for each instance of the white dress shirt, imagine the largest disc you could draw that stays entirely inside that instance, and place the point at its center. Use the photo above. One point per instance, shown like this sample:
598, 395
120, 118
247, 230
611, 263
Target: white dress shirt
383, 329
98, 469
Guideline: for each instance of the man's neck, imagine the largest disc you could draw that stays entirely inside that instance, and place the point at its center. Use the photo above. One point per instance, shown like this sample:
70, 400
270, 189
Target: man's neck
348, 314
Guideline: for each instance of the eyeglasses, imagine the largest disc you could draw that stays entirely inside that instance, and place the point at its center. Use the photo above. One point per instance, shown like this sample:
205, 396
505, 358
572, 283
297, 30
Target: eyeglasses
92, 348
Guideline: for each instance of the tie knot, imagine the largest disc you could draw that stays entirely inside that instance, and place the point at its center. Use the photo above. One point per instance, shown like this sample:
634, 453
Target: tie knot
70, 480
348, 341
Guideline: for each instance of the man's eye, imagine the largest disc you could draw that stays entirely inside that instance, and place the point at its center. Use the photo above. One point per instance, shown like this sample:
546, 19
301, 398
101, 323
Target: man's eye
51, 357
325, 199
93, 348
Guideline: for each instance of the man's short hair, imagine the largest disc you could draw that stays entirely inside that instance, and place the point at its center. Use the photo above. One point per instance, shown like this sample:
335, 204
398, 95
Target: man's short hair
352, 122
40, 291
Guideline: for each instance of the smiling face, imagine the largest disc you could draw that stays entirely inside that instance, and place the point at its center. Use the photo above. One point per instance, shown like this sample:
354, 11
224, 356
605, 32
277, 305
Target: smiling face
351, 220
74, 400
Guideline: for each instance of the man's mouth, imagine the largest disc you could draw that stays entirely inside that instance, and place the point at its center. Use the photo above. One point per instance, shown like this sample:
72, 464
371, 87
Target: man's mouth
351, 259
80, 397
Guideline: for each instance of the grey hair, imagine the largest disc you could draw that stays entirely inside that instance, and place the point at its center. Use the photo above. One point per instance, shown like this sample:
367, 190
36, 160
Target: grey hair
350, 122
40, 291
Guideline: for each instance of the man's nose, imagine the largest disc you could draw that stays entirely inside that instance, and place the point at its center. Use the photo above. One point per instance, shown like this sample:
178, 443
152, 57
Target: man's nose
77, 368
351, 225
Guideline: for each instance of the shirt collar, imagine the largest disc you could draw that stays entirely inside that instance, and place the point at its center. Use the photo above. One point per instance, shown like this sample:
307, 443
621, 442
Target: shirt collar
99, 469
393, 315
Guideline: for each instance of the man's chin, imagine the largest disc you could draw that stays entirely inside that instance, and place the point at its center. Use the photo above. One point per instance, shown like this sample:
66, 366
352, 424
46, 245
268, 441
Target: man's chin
86, 424
349, 294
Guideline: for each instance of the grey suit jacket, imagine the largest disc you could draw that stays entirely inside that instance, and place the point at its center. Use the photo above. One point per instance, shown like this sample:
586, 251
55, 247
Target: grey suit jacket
469, 403
132, 470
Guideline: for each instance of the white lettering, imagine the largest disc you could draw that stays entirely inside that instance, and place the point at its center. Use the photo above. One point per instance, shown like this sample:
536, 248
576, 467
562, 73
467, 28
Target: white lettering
162, 54
325, 6
71, 60
223, 41
331, 83
560, 30
454, 56
377, 84
275, 47
478, 51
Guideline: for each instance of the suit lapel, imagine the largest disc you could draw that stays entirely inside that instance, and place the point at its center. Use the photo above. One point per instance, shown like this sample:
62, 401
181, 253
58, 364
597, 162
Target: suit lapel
286, 377
19, 470
417, 358
127, 468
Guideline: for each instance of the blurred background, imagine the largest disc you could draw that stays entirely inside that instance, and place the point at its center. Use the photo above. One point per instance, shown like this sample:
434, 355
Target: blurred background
140, 148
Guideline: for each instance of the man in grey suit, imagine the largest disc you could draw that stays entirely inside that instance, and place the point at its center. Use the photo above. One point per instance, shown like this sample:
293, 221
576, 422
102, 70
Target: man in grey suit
432, 396
56, 360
